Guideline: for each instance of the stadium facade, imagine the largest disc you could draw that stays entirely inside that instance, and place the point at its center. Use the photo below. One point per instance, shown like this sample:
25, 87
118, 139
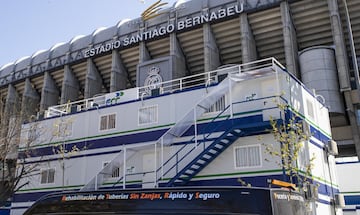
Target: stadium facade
201, 36
317, 41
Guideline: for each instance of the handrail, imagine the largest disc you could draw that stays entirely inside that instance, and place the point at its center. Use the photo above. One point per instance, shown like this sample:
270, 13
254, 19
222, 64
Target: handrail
181, 83
192, 147
235, 73
185, 145
170, 86
130, 174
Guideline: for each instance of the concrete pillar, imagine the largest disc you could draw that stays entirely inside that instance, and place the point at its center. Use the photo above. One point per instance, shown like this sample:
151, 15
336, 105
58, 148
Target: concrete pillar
290, 40
70, 86
9, 110
211, 51
339, 42
343, 69
12, 100
93, 80
248, 44
30, 101
178, 58
144, 56
49, 93
119, 75
10, 125
143, 53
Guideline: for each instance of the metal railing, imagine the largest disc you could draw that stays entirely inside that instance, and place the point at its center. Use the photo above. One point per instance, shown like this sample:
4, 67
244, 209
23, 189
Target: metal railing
180, 158
72, 107
189, 151
237, 73
199, 80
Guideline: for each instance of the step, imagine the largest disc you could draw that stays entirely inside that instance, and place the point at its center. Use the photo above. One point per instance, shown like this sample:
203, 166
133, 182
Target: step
193, 169
224, 141
180, 179
230, 138
204, 159
212, 153
202, 164
236, 133
238, 130
189, 171
199, 165
215, 150
207, 155
229, 134
186, 174
219, 147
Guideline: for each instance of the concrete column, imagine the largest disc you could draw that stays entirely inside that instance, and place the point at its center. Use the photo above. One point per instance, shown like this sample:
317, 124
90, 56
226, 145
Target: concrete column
339, 42
11, 124
353, 121
30, 101
10, 109
144, 56
178, 58
12, 100
119, 75
211, 51
290, 40
70, 86
343, 69
248, 44
143, 53
49, 93
93, 80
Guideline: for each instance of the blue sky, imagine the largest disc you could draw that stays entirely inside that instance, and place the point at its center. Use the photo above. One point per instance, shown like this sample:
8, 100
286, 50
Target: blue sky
28, 26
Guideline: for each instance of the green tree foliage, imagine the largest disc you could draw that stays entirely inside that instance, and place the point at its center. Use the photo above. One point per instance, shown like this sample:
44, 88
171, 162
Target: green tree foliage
291, 134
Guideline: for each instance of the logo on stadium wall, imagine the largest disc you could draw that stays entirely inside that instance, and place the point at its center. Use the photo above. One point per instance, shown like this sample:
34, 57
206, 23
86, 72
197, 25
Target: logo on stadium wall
153, 80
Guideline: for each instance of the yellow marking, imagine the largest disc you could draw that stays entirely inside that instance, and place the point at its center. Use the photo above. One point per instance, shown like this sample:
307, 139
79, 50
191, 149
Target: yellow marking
153, 10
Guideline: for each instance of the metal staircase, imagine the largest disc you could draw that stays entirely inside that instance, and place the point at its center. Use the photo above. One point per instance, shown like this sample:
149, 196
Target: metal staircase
190, 159
175, 131
205, 157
